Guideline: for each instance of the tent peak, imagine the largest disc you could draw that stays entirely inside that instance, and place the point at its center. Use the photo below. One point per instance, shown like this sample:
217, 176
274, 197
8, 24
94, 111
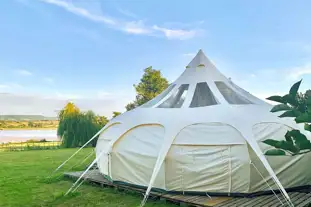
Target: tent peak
200, 60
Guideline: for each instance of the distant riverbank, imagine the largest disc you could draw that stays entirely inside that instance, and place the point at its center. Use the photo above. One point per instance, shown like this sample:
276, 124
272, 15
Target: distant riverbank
27, 134
28, 125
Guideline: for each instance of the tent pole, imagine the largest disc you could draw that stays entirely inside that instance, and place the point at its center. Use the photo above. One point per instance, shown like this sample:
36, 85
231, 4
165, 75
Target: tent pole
268, 183
91, 165
77, 151
80, 163
266, 164
162, 154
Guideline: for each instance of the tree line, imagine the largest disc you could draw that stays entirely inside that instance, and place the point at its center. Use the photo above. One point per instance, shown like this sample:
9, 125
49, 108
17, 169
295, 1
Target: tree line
76, 127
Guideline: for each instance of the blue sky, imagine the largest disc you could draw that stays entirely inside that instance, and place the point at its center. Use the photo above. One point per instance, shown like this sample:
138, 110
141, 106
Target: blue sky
93, 51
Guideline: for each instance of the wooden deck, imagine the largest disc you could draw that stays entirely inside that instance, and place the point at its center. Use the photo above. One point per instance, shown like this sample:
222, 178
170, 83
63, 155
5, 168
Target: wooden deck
300, 199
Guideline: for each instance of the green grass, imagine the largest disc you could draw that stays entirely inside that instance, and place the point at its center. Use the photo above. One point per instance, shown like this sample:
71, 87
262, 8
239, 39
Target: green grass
19, 146
23, 182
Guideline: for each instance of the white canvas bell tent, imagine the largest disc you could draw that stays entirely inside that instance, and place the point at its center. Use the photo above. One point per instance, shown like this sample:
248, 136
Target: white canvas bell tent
203, 134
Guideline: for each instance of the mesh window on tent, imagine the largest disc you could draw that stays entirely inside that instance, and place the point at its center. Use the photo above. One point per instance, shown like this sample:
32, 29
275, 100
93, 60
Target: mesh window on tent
158, 98
230, 95
203, 96
177, 98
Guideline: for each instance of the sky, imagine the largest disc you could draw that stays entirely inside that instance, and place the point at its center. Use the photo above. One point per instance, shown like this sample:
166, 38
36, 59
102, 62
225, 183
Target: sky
93, 51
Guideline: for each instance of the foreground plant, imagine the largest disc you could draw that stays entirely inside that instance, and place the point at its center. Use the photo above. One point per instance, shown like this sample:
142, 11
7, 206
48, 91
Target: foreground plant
298, 107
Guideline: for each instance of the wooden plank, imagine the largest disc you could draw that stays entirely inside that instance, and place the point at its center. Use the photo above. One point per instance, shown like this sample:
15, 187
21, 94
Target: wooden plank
274, 200
300, 199
226, 202
305, 202
270, 200
252, 201
217, 200
238, 201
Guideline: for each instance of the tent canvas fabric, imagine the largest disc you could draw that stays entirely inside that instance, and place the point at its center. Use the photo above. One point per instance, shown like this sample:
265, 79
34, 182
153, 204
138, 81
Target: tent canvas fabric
202, 134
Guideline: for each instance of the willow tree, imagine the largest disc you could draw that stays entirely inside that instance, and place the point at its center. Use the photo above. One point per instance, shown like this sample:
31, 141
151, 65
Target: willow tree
151, 84
76, 128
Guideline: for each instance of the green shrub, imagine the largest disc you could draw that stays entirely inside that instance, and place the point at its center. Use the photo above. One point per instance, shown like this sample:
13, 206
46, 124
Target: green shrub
296, 106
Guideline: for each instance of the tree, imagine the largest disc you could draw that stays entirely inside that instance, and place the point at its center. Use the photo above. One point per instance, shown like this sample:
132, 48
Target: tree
115, 114
30, 124
102, 120
76, 128
303, 97
151, 84
130, 106
298, 106
70, 108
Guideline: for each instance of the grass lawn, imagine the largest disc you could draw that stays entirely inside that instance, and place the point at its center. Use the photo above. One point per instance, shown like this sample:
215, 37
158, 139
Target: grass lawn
23, 182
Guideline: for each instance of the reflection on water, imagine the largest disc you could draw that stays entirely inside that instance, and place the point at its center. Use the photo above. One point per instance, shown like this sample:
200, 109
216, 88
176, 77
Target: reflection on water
23, 135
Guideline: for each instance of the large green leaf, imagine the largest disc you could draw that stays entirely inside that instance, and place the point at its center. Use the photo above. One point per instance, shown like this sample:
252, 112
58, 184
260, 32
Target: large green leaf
292, 100
281, 107
300, 140
285, 145
275, 152
288, 146
302, 118
291, 113
271, 142
288, 137
278, 99
294, 89
308, 127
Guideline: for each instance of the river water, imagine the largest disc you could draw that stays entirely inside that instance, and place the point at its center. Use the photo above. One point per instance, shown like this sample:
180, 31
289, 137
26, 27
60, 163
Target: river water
24, 135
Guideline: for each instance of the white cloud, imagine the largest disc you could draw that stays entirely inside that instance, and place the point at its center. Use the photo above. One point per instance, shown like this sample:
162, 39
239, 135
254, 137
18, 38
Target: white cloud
15, 85
297, 72
176, 33
131, 27
67, 96
284, 75
80, 11
23, 72
48, 80
3, 86
136, 27
126, 13
30, 104
103, 94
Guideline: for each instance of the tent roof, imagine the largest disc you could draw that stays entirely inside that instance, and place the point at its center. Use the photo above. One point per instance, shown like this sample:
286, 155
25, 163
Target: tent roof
202, 81
200, 59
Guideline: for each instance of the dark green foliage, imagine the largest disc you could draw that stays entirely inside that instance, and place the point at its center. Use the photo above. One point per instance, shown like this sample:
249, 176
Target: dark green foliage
298, 106
275, 152
280, 107
294, 89
76, 128
130, 106
151, 84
